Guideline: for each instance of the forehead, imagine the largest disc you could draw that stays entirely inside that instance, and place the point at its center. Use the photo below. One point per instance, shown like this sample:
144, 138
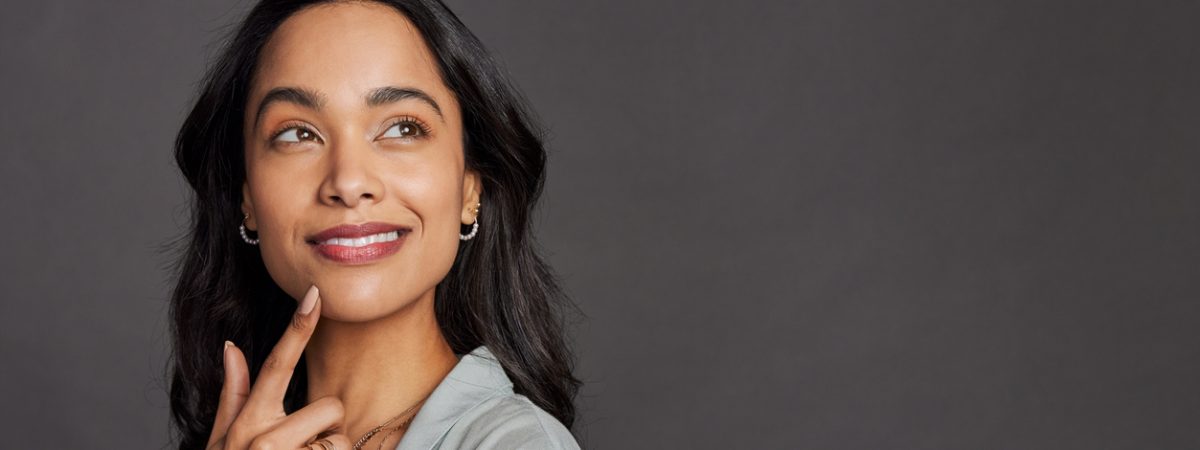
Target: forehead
345, 50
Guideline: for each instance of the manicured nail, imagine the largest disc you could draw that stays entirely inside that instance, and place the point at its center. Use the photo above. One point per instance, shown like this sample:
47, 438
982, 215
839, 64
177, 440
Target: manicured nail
225, 356
309, 301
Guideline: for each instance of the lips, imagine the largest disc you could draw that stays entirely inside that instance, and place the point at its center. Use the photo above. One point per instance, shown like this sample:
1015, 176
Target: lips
359, 244
350, 231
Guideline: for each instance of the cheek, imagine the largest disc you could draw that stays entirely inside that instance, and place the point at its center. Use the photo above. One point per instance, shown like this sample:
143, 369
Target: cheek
280, 207
439, 197
432, 191
434, 194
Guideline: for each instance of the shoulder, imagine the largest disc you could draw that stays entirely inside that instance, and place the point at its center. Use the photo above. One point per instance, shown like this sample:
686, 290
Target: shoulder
476, 407
509, 421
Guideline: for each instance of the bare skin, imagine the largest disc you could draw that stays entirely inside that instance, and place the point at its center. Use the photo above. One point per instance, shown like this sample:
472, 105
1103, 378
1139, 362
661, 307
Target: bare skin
372, 343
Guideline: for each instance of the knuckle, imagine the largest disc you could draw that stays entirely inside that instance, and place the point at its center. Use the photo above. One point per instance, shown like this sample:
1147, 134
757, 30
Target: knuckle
235, 433
272, 362
263, 443
336, 406
298, 323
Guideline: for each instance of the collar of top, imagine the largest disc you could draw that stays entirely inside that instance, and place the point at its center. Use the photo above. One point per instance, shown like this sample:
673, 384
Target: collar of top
477, 377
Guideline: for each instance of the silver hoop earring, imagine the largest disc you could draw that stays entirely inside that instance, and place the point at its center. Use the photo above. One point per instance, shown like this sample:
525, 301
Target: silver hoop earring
474, 229
242, 229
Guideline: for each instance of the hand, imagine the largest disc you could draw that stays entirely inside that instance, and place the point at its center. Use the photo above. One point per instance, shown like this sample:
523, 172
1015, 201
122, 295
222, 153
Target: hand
255, 419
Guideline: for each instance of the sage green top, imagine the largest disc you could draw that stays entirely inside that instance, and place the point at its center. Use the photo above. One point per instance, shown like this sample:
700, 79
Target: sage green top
475, 407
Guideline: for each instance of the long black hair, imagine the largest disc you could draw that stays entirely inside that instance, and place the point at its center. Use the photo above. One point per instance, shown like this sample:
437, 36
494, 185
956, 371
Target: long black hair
499, 293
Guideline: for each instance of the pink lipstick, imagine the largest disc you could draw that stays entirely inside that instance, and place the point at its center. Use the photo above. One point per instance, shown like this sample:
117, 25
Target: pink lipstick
359, 244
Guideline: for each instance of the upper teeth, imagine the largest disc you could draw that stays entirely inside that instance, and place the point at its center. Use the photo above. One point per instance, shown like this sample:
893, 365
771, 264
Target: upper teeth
365, 240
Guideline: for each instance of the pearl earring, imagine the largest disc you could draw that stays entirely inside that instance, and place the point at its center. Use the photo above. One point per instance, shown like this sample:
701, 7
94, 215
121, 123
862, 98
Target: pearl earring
474, 226
242, 229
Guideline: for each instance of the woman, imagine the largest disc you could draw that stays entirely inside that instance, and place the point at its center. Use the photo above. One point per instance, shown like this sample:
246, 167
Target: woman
360, 246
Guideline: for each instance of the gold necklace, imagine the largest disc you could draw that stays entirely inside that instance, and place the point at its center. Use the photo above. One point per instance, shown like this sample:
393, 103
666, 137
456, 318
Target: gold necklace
383, 440
366, 437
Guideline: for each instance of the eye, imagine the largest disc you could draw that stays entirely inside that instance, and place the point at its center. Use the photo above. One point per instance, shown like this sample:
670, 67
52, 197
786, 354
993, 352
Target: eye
406, 128
294, 134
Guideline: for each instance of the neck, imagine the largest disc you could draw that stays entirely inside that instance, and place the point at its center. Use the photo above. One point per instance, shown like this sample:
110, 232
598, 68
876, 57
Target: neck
378, 368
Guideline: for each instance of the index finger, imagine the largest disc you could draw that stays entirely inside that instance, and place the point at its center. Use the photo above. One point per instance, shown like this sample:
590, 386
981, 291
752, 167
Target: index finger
234, 391
272, 381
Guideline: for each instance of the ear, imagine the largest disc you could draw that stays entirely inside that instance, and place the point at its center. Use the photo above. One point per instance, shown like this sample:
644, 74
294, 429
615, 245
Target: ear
248, 207
472, 190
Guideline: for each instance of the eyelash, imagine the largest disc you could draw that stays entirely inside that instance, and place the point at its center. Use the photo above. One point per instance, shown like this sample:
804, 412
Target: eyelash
421, 126
418, 123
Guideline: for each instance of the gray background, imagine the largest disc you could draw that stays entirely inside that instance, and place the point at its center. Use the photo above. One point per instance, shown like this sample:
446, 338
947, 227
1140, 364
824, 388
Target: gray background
805, 224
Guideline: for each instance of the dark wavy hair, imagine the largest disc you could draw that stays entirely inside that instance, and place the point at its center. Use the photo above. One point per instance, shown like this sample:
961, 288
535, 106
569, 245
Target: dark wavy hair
499, 293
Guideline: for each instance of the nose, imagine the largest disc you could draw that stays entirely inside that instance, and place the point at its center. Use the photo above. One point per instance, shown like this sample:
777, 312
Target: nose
351, 177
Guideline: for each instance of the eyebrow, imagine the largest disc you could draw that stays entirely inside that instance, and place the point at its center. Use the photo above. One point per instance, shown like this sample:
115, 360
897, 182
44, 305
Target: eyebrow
392, 94
314, 100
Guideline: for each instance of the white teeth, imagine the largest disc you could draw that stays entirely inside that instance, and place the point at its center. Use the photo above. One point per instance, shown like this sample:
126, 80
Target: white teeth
365, 240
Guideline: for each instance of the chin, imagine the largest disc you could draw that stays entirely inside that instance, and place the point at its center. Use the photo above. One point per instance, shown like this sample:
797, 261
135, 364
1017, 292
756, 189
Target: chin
355, 299
357, 293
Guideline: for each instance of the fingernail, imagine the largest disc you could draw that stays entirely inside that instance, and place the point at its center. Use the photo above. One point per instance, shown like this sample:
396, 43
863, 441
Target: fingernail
309, 301
225, 356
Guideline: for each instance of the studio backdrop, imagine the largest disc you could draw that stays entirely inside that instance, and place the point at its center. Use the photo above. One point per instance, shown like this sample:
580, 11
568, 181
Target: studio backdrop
805, 224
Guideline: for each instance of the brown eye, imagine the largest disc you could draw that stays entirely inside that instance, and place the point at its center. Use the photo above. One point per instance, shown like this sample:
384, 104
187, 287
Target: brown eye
405, 129
296, 134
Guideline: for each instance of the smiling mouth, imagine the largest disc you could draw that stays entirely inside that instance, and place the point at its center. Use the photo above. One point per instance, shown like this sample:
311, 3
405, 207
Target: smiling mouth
364, 241
359, 244
351, 235
360, 250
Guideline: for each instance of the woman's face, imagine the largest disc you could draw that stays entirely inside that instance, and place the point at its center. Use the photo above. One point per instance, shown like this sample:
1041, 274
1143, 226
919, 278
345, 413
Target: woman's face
347, 123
